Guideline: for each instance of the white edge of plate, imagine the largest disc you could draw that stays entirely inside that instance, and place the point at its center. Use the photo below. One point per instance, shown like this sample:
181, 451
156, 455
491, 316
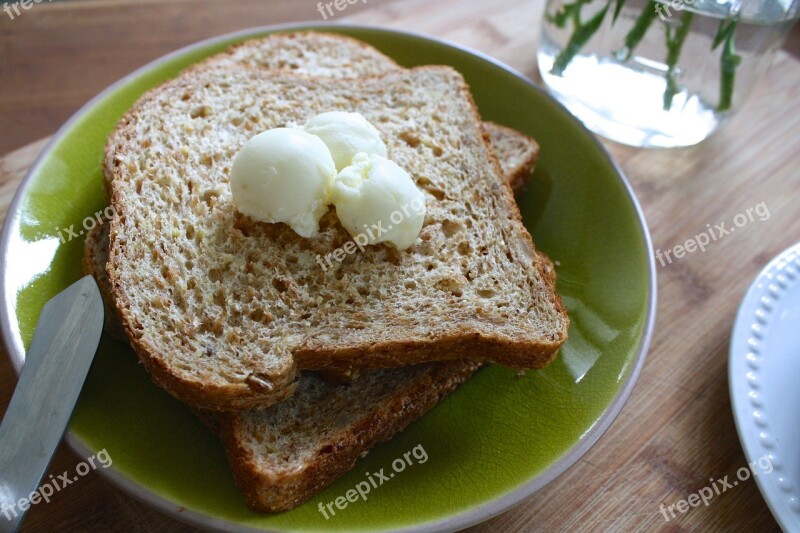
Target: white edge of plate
13, 340
746, 427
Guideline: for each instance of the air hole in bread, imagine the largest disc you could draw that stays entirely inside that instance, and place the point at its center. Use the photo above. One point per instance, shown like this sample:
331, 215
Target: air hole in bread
258, 315
200, 111
428, 186
453, 284
410, 138
210, 326
464, 248
210, 198
280, 285
219, 297
450, 227
215, 274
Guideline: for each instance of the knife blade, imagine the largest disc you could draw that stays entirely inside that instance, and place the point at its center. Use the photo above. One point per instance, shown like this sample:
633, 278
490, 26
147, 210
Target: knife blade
60, 355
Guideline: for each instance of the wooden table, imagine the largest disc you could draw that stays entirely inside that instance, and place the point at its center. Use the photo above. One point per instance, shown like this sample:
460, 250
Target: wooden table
676, 431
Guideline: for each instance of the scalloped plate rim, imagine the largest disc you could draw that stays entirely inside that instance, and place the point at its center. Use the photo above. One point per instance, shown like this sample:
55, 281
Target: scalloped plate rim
746, 427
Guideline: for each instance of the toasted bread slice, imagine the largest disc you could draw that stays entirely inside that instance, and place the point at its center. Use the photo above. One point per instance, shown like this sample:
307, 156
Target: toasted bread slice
348, 58
224, 311
517, 151
283, 455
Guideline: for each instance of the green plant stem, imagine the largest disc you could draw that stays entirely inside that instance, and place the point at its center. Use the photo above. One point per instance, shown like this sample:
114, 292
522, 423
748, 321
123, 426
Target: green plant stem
583, 32
675, 38
619, 4
640, 27
725, 30
566, 13
674, 47
729, 60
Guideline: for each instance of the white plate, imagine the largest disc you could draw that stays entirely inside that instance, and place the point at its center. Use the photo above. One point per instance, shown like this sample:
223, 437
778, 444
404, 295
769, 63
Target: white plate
764, 378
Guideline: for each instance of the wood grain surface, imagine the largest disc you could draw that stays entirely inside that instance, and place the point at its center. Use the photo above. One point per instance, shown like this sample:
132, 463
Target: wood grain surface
677, 429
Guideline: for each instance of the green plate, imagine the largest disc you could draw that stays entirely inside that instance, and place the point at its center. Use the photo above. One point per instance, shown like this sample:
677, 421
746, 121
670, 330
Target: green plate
496, 440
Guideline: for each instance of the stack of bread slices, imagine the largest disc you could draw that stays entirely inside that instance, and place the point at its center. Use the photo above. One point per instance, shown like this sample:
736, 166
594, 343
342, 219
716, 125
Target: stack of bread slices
300, 370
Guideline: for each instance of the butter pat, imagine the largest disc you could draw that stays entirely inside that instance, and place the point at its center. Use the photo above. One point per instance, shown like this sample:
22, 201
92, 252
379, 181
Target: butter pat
284, 175
377, 201
345, 135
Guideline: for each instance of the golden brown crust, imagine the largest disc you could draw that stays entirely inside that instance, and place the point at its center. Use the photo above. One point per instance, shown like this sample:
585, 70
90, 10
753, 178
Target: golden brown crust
470, 345
95, 248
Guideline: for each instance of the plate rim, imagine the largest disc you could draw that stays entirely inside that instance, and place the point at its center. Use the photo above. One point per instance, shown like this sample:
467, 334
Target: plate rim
738, 387
480, 513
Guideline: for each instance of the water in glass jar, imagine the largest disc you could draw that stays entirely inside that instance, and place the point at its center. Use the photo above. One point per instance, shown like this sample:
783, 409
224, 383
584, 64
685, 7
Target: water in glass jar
662, 73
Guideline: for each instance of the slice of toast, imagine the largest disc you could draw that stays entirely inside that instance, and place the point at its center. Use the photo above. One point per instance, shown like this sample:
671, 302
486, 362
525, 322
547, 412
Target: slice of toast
348, 58
283, 455
517, 151
224, 311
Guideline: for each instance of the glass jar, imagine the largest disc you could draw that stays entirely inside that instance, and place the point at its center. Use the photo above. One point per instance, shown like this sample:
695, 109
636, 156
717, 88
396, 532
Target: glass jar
659, 73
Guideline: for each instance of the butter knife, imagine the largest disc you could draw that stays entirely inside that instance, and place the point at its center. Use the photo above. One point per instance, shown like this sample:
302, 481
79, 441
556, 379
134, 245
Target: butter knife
59, 358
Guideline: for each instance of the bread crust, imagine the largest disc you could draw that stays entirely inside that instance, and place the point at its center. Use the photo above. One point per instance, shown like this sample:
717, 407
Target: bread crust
95, 255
